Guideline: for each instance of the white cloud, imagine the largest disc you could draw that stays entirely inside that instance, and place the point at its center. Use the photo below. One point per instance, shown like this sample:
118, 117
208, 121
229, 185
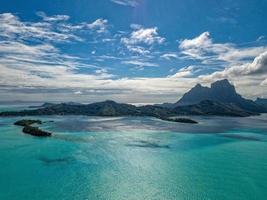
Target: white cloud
52, 18
250, 78
19, 48
30, 60
202, 40
99, 25
203, 48
260, 38
108, 40
11, 27
54, 28
138, 49
142, 39
257, 68
78, 92
40, 68
103, 73
184, 72
132, 3
136, 26
169, 56
147, 36
264, 82
140, 64
244, 66
62, 75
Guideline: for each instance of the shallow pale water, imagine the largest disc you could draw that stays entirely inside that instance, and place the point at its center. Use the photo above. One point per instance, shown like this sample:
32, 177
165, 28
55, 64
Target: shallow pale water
135, 158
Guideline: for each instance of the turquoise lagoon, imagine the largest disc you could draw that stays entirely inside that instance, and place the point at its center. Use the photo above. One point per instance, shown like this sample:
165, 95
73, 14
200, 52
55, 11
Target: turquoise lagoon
135, 158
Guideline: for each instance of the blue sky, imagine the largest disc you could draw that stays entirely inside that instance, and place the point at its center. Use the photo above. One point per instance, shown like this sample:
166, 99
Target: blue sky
135, 51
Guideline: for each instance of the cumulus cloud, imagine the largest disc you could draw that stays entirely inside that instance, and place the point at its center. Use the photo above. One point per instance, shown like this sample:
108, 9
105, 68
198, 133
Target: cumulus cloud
140, 38
257, 68
147, 36
264, 82
99, 25
203, 48
244, 66
32, 63
184, 72
37, 70
202, 40
29, 59
249, 78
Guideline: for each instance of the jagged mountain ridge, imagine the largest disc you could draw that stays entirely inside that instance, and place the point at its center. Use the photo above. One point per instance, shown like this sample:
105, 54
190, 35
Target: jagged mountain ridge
220, 91
208, 107
111, 108
262, 102
106, 108
220, 99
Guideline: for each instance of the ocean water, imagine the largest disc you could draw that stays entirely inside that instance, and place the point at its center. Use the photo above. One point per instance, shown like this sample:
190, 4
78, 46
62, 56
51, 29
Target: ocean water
135, 158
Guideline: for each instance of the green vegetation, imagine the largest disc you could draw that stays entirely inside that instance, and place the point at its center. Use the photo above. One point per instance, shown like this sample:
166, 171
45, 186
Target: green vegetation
180, 120
35, 131
26, 122
28, 129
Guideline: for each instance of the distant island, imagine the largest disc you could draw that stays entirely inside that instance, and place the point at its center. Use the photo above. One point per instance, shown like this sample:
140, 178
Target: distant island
180, 120
32, 130
221, 99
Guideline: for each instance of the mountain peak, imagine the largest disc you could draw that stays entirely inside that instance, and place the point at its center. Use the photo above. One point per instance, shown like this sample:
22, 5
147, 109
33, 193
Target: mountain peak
220, 91
110, 101
222, 83
198, 85
223, 89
